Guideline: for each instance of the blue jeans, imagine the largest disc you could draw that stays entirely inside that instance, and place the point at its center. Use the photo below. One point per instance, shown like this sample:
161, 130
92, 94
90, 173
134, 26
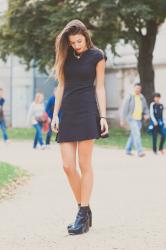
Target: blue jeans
48, 136
38, 135
3, 128
135, 136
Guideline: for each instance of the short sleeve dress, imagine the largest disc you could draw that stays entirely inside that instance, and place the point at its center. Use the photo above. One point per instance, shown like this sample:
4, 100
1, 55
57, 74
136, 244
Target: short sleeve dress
79, 111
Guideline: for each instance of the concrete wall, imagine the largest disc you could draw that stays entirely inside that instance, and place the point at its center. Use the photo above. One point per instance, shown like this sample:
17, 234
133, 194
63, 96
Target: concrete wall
20, 87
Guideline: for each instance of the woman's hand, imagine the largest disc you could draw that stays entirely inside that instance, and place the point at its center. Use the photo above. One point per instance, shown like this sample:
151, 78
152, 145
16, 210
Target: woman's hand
155, 123
104, 127
55, 124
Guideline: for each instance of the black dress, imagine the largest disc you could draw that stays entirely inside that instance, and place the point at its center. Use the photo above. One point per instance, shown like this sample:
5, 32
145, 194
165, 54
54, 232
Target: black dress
79, 112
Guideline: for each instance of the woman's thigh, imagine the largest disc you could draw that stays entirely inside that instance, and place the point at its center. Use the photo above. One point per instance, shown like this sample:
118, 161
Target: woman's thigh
85, 149
68, 153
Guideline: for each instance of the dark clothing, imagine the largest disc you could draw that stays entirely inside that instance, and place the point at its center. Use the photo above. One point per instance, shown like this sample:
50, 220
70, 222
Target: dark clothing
2, 101
2, 120
50, 111
79, 112
50, 106
156, 113
158, 130
49, 134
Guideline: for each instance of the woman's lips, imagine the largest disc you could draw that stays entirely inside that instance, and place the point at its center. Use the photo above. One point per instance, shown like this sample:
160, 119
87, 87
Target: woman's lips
78, 49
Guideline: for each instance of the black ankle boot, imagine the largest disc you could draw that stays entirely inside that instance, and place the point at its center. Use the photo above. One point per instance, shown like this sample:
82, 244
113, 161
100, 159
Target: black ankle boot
81, 224
72, 224
90, 217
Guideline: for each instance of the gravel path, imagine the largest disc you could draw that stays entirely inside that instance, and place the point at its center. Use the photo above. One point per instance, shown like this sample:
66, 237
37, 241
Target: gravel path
129, 202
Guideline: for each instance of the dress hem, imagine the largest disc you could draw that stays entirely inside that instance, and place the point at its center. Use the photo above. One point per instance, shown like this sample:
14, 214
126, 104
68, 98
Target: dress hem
78, 140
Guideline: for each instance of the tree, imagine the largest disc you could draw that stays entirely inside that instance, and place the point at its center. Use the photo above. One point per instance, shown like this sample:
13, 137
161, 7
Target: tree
29, 29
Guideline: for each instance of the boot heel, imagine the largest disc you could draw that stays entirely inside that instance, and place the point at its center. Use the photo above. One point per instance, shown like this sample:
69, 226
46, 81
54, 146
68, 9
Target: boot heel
86, 227
90, 221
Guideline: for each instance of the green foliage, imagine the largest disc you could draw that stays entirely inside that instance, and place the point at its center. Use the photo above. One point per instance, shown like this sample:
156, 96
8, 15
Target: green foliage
9, 173
29, 30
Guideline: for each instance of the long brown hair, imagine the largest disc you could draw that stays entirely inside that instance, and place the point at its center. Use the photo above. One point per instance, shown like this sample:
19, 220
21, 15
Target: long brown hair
62, 44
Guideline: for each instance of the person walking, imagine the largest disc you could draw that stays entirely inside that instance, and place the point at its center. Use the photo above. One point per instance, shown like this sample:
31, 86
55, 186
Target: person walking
157, 122
36, 116
49, 110
83, 112
134, 110
2, 117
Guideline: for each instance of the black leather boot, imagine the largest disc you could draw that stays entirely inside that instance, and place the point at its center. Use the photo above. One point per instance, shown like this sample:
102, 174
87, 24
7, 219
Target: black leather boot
81, 224
72, 224
90, 217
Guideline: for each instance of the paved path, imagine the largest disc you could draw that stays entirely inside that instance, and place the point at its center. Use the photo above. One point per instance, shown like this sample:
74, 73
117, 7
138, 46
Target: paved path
129, 202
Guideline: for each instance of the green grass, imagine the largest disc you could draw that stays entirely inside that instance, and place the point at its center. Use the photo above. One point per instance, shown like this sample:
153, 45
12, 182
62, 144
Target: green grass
9, 173
21, 133
118, 137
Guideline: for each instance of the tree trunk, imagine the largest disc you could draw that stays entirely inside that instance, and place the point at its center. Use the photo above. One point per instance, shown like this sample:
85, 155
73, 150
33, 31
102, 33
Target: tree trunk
145, 60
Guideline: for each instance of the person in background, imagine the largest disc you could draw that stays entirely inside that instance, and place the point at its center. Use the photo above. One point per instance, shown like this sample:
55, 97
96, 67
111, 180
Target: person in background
2, 118
134, 110
35, 118
156, 115
49, 110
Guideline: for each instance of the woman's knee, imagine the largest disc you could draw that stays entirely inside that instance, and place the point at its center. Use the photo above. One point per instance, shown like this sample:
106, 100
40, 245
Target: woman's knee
69, 169
85, 167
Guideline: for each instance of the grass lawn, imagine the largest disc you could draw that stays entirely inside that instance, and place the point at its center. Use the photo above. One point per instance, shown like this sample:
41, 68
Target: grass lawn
10, 177
118, 137
21, 133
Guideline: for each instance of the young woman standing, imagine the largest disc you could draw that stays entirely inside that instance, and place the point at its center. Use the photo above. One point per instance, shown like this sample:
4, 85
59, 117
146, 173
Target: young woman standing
78, 64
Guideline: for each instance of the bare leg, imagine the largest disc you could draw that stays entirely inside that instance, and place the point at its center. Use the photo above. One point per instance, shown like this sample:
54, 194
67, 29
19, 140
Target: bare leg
85, 149
68, 152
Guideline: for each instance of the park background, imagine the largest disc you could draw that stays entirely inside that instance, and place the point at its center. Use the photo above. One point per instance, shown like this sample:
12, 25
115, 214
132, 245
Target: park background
129, 199
27, 38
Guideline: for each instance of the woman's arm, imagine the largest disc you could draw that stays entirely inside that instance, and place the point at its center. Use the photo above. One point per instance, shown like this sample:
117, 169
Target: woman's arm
152, 114
101, 97
59, 95
100, 89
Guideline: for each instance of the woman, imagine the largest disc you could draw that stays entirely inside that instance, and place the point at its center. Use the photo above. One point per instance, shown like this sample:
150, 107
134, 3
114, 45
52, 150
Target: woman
77, 64
35, 117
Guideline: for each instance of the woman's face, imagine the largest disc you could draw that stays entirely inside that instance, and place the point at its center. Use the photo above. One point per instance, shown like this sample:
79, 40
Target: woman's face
1, 93
39, 98
78, 42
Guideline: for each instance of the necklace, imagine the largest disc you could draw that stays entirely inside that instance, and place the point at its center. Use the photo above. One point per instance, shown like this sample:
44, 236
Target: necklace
77, 56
